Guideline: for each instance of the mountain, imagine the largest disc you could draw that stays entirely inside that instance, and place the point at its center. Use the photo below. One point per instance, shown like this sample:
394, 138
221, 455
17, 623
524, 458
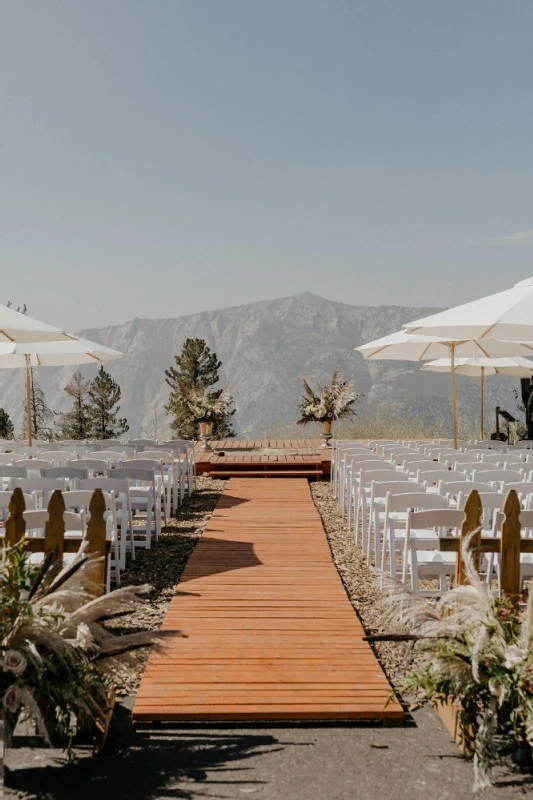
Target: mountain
265, 349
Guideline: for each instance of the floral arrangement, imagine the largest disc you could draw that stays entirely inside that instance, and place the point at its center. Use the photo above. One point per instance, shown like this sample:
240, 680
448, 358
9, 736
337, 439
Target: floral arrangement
205, 406
329, 402
478, 654
58, 662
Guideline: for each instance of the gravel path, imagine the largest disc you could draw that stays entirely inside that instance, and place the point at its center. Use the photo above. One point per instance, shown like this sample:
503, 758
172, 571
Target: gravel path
359, 581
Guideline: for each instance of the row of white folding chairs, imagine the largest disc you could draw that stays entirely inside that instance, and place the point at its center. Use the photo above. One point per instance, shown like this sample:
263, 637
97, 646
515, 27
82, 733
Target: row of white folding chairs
134, 490
414, 519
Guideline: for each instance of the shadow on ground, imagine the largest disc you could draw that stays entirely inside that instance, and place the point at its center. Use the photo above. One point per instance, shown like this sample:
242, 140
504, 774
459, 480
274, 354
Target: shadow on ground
149, 764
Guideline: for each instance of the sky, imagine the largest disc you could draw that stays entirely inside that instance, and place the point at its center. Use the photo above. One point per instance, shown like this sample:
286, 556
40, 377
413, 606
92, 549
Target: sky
167, 157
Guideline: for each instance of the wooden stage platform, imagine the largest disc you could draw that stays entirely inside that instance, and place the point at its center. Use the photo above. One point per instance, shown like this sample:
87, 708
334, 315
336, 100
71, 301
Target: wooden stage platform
264, 458
270, 632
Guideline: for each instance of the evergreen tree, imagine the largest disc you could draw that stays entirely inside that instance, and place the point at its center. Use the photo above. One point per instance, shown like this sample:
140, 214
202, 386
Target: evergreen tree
196, 366
76, 424
41, 415
7, 429
104, 394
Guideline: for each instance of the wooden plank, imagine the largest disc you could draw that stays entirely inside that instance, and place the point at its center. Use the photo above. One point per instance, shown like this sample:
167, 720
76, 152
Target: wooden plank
270, 633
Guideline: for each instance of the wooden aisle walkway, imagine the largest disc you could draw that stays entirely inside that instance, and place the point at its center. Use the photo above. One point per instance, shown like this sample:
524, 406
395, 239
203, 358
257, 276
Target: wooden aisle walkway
271, 634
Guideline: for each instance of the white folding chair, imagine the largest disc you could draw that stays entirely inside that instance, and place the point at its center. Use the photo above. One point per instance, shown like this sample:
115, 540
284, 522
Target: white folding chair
144, 497
59, 458
81, 500
397, 509
421, 556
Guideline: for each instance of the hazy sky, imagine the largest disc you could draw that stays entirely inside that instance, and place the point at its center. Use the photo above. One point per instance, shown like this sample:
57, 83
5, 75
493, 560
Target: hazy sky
162, 157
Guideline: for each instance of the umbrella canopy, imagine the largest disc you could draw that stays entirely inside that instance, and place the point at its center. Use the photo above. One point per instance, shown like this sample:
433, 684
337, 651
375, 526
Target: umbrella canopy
407, 346
475, 367
506, 315
481, 367
55, 354
17, 327
52, 354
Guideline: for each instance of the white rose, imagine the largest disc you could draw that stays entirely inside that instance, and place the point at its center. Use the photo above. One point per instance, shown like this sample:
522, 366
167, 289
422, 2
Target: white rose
84, 637
514, 656
12, 698
14, 662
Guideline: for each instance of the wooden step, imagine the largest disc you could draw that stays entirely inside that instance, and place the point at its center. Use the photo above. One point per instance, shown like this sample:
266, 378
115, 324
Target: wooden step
301, 473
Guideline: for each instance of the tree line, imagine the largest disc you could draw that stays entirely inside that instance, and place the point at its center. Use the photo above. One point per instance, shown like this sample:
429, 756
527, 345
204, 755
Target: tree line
94, 411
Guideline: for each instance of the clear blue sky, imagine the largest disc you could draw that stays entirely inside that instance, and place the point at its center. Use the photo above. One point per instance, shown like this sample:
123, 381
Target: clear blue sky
165, 157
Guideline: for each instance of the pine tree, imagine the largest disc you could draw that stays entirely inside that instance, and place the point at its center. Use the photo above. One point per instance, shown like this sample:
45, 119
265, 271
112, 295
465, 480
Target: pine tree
7, 429
41, 415
104, 394
197, 366
76, 424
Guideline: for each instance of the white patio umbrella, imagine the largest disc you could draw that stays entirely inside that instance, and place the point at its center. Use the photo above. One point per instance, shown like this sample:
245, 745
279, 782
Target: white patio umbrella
406, 346
481, 367
506, 315
17, 327
52, 354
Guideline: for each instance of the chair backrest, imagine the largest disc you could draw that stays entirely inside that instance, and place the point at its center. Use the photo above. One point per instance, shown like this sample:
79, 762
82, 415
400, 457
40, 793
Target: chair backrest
142, 463
454, 487
407, 458
39, 518
143, 442
361, 463
82, 498
23, 447
437, 518
94, 464
383, 488
521, 488
39, 484
34, 464
434, 476
5, 499
421, 464
419, 500
108, 455
119, 486
58, 457
165, 456
493, 458
11, 458
496, 475
367, 476
72, 473
135, 474
7, 471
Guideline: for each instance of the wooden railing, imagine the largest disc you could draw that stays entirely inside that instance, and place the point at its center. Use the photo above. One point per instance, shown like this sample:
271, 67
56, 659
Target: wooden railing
509, 544
94, 542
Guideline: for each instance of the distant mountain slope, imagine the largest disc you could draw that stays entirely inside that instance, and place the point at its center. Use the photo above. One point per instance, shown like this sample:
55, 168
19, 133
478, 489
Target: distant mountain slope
265, 349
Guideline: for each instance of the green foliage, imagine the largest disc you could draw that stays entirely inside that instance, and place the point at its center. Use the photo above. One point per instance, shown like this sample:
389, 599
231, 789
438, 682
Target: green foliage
197, 370
76, 423
104, 394
7, 429
479, 654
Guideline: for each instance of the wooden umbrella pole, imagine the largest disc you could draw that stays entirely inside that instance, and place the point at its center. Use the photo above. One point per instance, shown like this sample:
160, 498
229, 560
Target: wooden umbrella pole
28, 399
482, 402
454, 399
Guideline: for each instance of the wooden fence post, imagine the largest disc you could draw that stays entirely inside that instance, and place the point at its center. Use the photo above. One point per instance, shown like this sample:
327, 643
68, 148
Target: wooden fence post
96, 544
15, 524
471, 522
510, 548
54, 530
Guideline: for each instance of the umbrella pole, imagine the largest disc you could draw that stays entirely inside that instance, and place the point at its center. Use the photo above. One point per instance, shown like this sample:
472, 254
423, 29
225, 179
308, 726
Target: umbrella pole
454, 399
482, 402
28, 400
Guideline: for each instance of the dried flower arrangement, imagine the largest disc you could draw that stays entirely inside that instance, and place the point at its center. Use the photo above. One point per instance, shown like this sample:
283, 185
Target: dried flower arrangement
329, 402
206, 406
479, 655
58, 660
